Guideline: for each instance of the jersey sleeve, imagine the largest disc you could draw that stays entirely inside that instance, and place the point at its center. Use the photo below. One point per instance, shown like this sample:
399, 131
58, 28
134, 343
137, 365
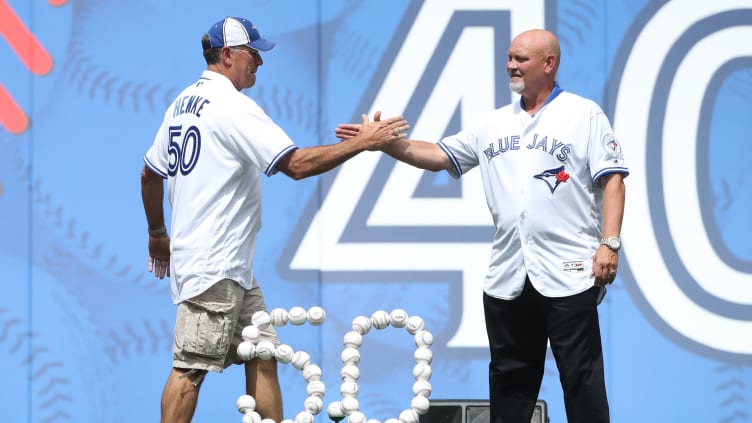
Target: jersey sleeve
462, 149
261, 141
606, 154
157, 157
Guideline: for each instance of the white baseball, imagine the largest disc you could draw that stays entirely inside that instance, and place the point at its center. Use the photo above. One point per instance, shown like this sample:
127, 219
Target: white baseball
316, 315
313, 404
423, 338
373, 421
414, 324
350, 405
251, 417
398, 318
312, 372
265, 350
246, 403
422, 371
304, 417
380, 319
284, 353
261, 319
268, 420
287, 421
349, 388
279, 317
422, 355
316, 388
350, 372
334, 410
408, 416
420, 404
297, 315
350, 356
353, 339
301, 359
246, 350
356, 417
250, 333
422, 388
391, 420
361, 324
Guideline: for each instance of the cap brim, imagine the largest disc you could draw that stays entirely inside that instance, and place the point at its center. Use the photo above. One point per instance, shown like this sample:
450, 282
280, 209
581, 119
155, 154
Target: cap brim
263, 44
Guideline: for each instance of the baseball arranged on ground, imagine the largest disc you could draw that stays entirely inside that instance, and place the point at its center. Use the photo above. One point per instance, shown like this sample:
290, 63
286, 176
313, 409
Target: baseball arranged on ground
349, 388
350, 405
350, 372
265, 350
423, 338
414, 324
353, 339
334, 410
422, 371
316, 388
422, 388
313, 404
246, 350
422, 355
251, 333
304, 417
246, 403
284, 353
251, 417
261, 319
380, 319
316, 315
312, 372
350, 356
297, 315
420, 404
300, 359
279, 317
361, 324
398, 318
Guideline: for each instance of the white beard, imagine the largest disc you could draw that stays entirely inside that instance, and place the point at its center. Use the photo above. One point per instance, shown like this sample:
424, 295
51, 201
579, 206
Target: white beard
517, 87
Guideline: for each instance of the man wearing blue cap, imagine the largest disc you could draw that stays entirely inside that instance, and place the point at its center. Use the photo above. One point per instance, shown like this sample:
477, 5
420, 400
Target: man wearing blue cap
212, 144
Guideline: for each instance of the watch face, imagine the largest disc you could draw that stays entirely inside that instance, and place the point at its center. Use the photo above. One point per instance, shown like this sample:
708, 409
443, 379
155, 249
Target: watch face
613, 243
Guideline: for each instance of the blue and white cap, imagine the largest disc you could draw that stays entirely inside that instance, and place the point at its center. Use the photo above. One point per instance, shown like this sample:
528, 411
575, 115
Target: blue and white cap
232, 31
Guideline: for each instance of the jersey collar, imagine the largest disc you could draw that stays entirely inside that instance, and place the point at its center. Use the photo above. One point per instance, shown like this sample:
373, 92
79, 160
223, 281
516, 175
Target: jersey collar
554, 92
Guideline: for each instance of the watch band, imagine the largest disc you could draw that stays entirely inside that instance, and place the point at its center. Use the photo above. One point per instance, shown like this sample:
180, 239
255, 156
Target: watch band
158, 231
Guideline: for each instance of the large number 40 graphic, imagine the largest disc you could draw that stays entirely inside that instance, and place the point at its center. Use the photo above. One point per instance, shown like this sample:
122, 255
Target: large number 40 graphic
183, 156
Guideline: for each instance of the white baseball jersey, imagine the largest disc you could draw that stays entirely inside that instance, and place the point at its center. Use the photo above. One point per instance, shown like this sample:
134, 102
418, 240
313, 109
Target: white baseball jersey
540, 175
213, 143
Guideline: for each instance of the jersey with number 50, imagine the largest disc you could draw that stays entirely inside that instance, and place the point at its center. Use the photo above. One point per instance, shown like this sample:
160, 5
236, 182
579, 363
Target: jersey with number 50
211, 147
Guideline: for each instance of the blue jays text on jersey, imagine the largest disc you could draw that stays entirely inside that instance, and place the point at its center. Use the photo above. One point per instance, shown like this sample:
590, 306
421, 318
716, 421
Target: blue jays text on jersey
555, 148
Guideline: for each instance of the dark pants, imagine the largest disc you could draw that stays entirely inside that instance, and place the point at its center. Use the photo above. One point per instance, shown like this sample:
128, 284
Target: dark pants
518, 332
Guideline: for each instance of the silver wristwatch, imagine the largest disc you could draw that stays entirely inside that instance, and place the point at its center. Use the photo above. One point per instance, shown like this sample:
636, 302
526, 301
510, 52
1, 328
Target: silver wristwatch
612, 242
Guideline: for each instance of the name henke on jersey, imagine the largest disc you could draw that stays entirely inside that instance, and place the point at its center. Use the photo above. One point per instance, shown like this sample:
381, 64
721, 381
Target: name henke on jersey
552, 146
192, 104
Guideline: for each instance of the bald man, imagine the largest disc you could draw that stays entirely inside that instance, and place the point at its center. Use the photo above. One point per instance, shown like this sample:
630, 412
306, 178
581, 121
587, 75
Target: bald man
553, 174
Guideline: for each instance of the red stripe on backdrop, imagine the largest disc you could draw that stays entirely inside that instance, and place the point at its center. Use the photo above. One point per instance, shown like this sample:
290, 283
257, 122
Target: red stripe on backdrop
11, 116
23, 42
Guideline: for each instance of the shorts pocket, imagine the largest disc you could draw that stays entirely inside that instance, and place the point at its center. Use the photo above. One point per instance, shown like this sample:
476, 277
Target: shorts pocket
206, 333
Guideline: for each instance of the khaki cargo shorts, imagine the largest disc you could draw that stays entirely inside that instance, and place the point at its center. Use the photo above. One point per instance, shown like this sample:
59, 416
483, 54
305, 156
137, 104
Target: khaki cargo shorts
208, 327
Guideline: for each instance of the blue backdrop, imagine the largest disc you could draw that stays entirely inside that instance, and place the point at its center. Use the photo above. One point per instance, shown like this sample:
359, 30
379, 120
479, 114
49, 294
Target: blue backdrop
85, 331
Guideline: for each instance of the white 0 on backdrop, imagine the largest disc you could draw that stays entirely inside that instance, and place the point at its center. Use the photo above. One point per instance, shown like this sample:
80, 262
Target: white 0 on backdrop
631, 114
679, 164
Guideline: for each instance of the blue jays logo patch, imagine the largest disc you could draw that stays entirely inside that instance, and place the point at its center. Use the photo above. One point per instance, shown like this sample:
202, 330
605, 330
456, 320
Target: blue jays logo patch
553, 177
612, 148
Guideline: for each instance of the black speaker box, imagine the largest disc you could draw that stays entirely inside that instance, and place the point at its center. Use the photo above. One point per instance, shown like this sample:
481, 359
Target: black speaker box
472, 411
